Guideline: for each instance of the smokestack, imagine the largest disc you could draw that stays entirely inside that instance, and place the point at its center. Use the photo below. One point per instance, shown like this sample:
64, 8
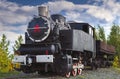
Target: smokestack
43, 11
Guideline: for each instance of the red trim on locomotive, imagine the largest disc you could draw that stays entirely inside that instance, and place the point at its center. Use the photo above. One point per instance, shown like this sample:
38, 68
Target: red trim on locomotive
36, 28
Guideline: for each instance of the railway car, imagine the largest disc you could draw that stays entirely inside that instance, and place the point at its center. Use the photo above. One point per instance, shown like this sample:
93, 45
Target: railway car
54, 45
104, 54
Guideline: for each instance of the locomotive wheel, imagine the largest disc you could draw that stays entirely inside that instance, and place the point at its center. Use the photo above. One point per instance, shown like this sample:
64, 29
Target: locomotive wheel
74, 72
79, 71
67, 74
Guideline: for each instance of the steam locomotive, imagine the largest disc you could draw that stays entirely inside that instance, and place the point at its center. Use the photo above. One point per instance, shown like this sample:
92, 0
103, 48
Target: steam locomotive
54, 45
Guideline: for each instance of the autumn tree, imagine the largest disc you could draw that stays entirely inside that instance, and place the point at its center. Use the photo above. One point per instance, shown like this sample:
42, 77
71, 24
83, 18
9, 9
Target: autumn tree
116, 62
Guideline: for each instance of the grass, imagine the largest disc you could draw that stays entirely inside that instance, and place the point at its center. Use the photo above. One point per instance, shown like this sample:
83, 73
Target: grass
5, 75
116, 69
81, 77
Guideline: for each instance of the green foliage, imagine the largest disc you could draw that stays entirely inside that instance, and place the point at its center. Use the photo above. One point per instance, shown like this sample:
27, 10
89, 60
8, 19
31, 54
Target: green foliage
5, 61
100, 34
17, 43
4, 43
114, 35
116, 62
96, 35
15, 48
114, 39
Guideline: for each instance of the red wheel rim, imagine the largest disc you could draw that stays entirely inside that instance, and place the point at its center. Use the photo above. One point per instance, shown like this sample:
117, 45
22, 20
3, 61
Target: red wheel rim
67, 74
79, 71
74, 72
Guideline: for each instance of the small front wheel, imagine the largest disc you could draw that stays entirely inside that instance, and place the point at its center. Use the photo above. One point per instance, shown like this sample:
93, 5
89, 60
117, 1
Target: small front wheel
67, 74
74, 72
79, 71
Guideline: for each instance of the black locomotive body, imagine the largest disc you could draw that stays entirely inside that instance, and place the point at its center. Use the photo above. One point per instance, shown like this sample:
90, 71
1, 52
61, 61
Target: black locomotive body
52, 44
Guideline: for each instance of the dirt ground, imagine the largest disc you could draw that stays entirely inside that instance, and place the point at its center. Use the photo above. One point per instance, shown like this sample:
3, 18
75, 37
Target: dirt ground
102, 73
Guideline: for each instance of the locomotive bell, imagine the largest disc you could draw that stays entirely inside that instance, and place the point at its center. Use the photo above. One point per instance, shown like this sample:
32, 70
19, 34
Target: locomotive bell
43, 11
58, 17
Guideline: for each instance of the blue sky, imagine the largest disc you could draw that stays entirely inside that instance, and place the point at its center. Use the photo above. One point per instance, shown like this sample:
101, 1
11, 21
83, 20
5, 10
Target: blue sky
38, 2
15, 14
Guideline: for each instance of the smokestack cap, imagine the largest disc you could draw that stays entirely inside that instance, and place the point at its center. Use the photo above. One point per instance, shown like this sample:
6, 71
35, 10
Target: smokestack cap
43, 11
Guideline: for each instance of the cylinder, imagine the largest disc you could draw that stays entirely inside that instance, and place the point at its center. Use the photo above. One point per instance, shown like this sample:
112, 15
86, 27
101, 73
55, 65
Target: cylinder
34, 49
43, 11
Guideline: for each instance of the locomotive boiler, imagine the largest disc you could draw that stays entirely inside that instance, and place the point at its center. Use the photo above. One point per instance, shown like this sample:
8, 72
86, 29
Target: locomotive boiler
54, 45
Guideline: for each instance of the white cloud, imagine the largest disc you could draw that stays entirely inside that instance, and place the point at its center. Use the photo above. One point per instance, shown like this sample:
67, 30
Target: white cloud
101, 13
14, 19
107, 11
11, 13
10, 35
58, 6
73, 14
29, 9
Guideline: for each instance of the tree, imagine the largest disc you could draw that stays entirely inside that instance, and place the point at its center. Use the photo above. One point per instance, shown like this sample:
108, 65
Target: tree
15, 48
17, 43
114, 39
5, 61
116, 62
4, 43
96, 35
100, 34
